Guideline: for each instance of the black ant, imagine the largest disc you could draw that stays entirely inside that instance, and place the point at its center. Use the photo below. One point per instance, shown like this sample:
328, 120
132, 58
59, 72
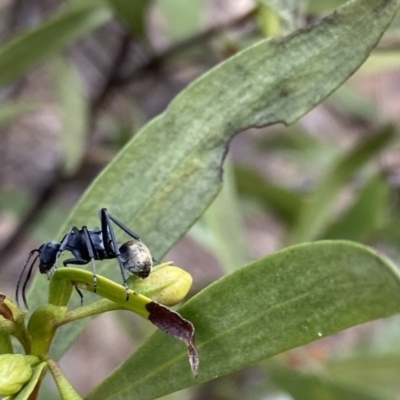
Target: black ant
88, 245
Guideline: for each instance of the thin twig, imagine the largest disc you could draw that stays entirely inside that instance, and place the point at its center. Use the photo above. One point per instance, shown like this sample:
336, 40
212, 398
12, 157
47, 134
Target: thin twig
112, 73
160, 59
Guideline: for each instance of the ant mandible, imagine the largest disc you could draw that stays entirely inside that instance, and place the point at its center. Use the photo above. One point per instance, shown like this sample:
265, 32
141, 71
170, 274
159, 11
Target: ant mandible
88, 245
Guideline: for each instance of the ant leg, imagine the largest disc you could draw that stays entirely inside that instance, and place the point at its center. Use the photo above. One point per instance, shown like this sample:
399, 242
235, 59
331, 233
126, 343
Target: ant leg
124, 228
120, 225
79, 293
77, 261
80, 261
89, 246
108, 234
63, 245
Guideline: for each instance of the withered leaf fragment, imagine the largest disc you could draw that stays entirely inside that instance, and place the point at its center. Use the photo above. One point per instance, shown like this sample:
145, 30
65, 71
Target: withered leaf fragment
5, 311
175, 325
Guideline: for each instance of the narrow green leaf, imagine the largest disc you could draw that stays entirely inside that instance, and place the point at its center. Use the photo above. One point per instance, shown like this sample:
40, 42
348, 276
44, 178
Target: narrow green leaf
163, 180
381, 62
9, 111
183, 18
376, 373
317, 210
73, 110
132, 14
320, 6
293, 139
27, 390
354, 104
269, 21
223, 219
362, 217
303, 386
279, 17
276, 303
285, 203
34, 45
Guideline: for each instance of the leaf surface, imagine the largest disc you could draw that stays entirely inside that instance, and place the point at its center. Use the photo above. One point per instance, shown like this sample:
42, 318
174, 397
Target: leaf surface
279, 302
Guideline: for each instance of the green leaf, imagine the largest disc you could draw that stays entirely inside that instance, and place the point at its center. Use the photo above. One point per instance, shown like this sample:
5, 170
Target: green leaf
34, 45
163, 180
285, 203
354, 104
277, 17
9, 111
183, 17
294, 140
317, 210
223, 219
318, 6
73, 110
362, 217
381, 62
379, 374
303, 386
274, 304
132, 14
27, 390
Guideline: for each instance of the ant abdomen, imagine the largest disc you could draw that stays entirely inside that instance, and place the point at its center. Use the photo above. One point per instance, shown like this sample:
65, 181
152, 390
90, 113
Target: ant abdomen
136, 258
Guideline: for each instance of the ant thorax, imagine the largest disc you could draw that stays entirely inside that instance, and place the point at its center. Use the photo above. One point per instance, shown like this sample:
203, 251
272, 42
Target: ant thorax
136, 258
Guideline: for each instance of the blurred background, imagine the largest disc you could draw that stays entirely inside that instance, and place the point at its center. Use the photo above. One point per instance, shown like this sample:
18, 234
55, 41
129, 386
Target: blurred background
66, 112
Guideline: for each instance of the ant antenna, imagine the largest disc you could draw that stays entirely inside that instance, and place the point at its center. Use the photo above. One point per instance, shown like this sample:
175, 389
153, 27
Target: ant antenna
27, 278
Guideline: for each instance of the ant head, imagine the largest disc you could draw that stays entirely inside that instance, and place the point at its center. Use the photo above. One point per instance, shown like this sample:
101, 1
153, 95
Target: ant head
48, 256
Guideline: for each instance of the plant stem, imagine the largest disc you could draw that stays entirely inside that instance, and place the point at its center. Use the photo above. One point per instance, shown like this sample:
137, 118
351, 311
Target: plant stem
67, 392
88, 310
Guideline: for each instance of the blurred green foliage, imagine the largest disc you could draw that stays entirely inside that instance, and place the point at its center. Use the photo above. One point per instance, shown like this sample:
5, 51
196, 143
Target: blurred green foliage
163, 180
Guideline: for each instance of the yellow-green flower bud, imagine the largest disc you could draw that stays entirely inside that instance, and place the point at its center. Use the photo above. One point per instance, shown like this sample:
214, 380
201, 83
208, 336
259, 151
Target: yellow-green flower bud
167, 284
15, 371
